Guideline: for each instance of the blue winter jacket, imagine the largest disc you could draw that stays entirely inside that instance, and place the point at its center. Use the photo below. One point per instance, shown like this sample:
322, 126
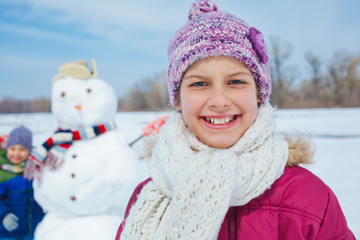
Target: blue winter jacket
16, 196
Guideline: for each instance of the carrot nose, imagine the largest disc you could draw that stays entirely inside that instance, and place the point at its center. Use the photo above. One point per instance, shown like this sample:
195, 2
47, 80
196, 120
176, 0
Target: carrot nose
78, 107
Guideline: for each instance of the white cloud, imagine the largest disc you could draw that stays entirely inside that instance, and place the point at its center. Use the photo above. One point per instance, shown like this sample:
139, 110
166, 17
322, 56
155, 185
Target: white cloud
108, 17
35, 33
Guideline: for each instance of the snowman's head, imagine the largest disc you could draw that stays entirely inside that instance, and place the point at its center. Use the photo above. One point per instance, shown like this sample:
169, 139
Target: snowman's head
82, 102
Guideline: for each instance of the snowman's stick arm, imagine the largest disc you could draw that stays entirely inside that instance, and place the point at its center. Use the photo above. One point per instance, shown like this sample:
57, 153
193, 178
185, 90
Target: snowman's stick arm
137, 139
152, 128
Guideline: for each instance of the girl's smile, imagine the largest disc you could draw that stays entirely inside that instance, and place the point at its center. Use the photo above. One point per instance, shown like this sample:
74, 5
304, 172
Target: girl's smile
218, 100
220, 121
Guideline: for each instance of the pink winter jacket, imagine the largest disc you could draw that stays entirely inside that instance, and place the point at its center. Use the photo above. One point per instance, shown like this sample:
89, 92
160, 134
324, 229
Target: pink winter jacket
297, 206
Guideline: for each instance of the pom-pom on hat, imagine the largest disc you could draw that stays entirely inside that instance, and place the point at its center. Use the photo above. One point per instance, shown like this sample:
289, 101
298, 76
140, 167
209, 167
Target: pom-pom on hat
210, 32
21, 136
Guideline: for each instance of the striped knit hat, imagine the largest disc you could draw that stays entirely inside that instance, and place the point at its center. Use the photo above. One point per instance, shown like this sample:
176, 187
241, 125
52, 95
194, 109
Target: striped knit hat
210, 32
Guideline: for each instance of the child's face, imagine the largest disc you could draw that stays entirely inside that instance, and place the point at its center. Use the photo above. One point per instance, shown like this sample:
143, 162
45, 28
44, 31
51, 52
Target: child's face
218, 100
17, 153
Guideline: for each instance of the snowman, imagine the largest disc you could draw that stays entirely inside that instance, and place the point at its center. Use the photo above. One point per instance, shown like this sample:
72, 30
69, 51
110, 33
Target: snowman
85, 173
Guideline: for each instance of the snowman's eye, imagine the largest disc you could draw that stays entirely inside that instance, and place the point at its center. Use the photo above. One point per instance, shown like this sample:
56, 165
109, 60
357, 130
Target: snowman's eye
88, 90
62, 94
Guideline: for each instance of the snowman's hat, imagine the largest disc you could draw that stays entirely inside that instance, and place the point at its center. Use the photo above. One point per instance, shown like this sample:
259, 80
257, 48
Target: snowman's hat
77, 69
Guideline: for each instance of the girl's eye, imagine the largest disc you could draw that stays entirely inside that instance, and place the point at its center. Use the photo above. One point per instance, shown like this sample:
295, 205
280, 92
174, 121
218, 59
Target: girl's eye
198, 84
235, 82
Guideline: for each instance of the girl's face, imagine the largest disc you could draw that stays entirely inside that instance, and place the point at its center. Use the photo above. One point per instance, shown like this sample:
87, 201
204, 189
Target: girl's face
218, 100
17, 153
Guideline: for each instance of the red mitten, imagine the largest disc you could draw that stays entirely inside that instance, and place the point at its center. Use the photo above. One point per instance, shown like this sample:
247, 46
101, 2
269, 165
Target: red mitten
3, 139
154, 126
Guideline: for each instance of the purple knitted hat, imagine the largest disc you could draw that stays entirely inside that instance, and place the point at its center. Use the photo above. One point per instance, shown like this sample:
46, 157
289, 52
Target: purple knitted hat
21, 136
210, 32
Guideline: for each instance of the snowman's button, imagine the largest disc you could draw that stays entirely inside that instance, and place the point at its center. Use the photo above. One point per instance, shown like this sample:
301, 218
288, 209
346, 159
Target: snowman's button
74, 156
73, 198
73, 175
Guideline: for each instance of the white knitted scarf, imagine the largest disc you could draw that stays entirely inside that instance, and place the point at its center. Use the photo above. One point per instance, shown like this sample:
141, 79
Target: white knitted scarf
194, 185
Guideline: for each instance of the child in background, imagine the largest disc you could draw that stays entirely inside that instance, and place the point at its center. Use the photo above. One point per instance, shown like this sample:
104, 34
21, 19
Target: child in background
218, 169
19, 213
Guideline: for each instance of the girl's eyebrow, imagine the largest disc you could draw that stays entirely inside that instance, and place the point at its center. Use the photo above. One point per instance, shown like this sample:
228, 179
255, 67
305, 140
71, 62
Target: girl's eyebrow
239, 73
199, 76
195, 76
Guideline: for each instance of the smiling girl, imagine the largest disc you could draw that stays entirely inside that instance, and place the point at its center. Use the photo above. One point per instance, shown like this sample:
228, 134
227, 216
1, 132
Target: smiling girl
218, 169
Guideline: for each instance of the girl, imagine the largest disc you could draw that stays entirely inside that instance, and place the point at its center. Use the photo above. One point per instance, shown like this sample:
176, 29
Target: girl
218, 170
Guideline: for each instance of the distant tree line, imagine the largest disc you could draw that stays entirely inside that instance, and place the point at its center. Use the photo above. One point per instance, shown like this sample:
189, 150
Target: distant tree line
336, 84
11, 105
146, 95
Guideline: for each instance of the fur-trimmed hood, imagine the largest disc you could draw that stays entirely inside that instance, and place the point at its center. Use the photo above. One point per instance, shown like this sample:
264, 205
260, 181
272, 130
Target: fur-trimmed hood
301, 149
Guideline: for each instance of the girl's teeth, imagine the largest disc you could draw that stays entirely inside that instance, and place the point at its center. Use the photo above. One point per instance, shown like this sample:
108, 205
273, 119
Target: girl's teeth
219, 120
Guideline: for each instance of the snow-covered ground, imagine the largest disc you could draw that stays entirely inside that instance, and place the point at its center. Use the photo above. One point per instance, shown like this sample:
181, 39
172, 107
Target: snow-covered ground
335, 133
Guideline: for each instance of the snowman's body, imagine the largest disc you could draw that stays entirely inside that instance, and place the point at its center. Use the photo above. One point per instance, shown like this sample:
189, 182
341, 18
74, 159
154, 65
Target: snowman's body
87, 194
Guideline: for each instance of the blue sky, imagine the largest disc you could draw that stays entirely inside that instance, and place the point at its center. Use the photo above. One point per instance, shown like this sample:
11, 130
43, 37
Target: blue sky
128, 39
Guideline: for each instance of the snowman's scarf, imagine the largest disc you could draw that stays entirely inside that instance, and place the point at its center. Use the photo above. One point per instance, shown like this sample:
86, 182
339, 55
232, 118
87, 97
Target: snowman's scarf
56, 146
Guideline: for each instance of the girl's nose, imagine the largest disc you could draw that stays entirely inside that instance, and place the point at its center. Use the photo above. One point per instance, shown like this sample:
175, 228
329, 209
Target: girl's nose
219, 99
